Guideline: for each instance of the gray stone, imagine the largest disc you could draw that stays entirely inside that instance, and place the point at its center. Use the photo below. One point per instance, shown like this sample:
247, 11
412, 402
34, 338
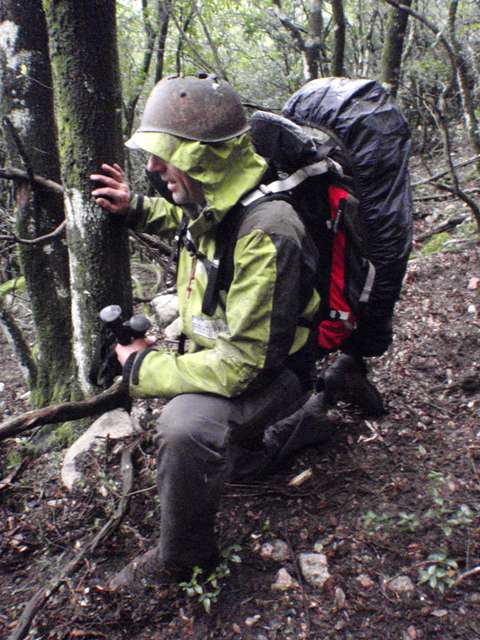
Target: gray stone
284, 581
166, 308
340, 598
314, 568
365, 581
474, 597
174, 330
276, 550
401, 585
115, 424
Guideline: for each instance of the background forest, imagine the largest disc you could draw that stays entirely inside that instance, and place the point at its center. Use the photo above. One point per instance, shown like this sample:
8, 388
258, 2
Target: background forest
74, 77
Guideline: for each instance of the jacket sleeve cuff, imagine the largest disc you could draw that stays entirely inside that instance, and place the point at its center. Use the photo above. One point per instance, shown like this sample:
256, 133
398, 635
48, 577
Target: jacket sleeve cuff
135, 211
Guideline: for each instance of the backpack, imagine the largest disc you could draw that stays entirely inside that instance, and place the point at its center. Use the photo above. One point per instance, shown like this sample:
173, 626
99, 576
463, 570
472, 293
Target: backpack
340, 154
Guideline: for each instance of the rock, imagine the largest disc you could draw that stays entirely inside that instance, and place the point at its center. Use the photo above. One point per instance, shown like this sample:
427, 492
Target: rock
402, 586
365, 581
250, 622
474, 597
284, 581
166, 308
115, 424
410, 633
276, 550
440, 613
340, 598
314, 568
174, 330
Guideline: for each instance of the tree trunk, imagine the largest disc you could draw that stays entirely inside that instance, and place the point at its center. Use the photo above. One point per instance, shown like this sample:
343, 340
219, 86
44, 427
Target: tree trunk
338, 68
393, 47
26, 96
466, 81
165, 8
314, 43
83, 52
150, 36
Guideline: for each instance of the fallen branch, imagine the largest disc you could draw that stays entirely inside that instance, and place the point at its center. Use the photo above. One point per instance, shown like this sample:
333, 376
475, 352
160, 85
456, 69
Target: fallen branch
443, 196
40, 598
446, 172
446, 226
467, 574
115, 396
8, 480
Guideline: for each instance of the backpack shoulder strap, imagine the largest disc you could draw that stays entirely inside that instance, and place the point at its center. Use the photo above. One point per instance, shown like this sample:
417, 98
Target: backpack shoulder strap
220, 270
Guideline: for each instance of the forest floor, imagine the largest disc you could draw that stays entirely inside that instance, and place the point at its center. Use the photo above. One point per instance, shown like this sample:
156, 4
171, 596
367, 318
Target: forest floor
392, 503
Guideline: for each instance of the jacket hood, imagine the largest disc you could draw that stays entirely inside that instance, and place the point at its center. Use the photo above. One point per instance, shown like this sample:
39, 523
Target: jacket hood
226, 170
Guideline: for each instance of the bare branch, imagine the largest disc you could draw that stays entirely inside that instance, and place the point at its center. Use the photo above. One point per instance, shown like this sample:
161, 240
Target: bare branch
115, 396
10, 173
21, 149
53, 234
446, 226
444, 173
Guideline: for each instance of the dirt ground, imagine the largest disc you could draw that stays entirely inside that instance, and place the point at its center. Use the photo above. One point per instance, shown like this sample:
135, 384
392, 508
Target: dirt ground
392, 503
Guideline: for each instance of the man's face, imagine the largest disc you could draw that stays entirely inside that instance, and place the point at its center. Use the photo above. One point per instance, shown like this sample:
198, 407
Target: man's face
184, 190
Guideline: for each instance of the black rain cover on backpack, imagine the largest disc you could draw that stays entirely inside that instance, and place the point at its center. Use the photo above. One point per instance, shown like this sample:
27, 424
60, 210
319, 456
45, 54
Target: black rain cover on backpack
374, 139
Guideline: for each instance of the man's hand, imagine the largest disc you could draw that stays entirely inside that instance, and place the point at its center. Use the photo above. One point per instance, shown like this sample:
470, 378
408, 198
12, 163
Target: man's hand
124, 351
112, 192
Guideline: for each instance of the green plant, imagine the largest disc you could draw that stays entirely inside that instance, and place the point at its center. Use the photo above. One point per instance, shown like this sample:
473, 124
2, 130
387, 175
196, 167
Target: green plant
435, 244
206, 591
443, 513
13, 285
408, 522
377, 522
439, 573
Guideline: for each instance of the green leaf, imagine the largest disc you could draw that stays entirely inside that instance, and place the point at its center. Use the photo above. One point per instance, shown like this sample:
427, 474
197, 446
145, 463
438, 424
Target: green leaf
207, 604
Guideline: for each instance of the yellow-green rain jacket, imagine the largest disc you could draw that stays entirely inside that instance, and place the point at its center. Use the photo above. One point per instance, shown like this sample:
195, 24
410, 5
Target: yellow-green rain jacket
257, 326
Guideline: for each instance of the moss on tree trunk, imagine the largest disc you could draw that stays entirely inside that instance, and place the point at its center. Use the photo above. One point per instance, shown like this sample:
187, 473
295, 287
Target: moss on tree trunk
26, 98
83, 53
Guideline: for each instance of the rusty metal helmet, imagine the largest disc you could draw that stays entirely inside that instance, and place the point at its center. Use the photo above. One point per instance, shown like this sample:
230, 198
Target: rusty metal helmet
200, 107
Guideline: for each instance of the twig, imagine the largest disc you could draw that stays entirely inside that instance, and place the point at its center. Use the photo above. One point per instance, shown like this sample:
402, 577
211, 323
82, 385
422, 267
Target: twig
115, 396
12, 173
7, 481
21, 149
300, 582
467, 574
446, 172
40, 598
53, 234
446, 226
444, 196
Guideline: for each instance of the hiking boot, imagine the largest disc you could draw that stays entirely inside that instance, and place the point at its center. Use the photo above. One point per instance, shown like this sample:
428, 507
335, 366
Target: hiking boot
347, 380
146, 570
306, 427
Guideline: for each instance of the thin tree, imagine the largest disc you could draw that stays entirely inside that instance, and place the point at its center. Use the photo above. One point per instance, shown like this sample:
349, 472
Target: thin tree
83, 52
338, 59
29, 130
393, 47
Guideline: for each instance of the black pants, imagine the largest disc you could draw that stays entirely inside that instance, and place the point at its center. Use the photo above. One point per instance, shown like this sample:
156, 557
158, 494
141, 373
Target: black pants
205, 440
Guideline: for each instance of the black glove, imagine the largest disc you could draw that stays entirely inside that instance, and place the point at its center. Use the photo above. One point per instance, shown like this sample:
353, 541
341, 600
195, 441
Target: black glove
373, 335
